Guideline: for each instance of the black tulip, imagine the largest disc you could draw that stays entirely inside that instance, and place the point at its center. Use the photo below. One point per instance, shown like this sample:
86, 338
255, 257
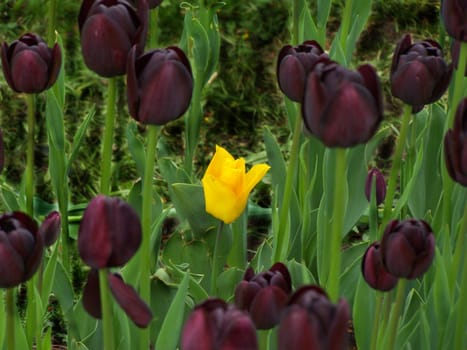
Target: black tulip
373, 270
454, 15
375, 175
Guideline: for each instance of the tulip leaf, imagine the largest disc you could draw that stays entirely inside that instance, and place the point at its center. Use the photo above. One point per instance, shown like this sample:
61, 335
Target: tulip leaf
276, 160
79, 137
2, 318
351, 269
49, 274
363, 313
136, 147
308, 27
226, 283
59, 85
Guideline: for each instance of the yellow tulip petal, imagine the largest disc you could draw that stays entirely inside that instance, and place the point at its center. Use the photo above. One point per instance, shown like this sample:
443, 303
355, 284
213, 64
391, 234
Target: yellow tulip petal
254, 176
217, 163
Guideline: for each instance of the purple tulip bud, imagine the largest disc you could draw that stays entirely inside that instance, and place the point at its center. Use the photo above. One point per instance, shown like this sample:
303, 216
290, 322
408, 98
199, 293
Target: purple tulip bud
264, 295
21, 249
293, 66
159, 85
408, 248
378, 177
216, 325
123, 293
455, 146
109, 29
29, 65
455, 50
454, 15
50, 228
419, 73
374, 272
109, 233
341, 107
311, 321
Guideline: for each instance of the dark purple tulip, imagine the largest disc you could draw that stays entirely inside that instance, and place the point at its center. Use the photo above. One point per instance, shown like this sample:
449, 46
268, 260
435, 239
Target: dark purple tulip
311, 321
455, 50
109, 29
407, 248
374, 272
159, 85
109, 233
293, 66
29, 65
341, 107
378, 177
151, 3
124, 294
21, 249
264, 295
215, 325
419, 73
455, 146
454, 15
50, 228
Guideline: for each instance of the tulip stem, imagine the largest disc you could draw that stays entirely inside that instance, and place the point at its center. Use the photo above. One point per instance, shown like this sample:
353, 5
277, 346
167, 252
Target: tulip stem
10, 318
153, 28
396, 164
106, 162
396, 313
106, 306
215, 263
335, 255
52, 16
376, 319
29, 185
459, 334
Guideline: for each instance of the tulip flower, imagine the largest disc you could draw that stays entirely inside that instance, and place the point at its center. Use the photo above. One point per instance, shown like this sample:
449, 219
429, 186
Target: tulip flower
373, 270
151, 3
21, 249
226, 185
293, 66
50, 228
455, 146
264, 295
407, 248
29, 65
159, 85
311, 321
341, 107
419, 73
108, 31
454, 15
378, 177
215, 325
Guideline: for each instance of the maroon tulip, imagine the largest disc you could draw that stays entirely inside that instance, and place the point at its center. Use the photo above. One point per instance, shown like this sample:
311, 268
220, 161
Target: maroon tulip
378, 177
293, 66
419, 73
124, 294
159, 85
215, 325
29, 65
455, 51
341, 107
311, 321
151, 3
109, 233
455, 146
109, 29
454, 15
374, 272
50, 228
21, 249
264, 295
408, 248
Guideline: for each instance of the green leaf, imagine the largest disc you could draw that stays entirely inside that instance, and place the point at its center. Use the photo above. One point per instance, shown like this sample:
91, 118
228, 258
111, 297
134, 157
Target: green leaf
136, 147
276, 160
363, 313
79, 137
49, 275
308, 29
227, 282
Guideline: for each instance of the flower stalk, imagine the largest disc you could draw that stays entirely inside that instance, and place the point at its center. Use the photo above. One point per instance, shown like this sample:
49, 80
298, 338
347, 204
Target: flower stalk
10, 318
106, 305
216, 268
396, 313
106, 162
30, 99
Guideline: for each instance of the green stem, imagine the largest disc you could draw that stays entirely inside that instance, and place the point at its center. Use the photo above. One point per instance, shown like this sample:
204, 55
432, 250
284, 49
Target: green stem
283, 235
396, 164
153, 28
263, 338
335, 255
373, 212
396, 313
216, 268
106, 162
106, 306
459, 334
376, 320
52, 17
29, 185
345, 25
296, 22
459, 79
10, 318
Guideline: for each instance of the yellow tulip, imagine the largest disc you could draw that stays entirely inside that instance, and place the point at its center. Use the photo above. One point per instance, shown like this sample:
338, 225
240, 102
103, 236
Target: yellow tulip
226, 185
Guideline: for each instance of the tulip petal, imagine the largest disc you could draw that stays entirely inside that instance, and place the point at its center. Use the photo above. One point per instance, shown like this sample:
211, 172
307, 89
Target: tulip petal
29, 71
197, 332
398, 255
254, 176
217, 162
11, 264
291, 77
55, 65
267, 306
6, 66
238, 333
338, 335
296, 330
91, 295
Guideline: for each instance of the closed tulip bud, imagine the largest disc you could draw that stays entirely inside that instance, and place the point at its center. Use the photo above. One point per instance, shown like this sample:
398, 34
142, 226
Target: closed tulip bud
374, 175
21, 249
215, 325
109, 233
455, 146
50, 228
29, 65
374, 272
108, 30
408, 248
455, 51
293, 66
311, 321
341, 107
419, 73
454, 15
159, 85
264, 295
